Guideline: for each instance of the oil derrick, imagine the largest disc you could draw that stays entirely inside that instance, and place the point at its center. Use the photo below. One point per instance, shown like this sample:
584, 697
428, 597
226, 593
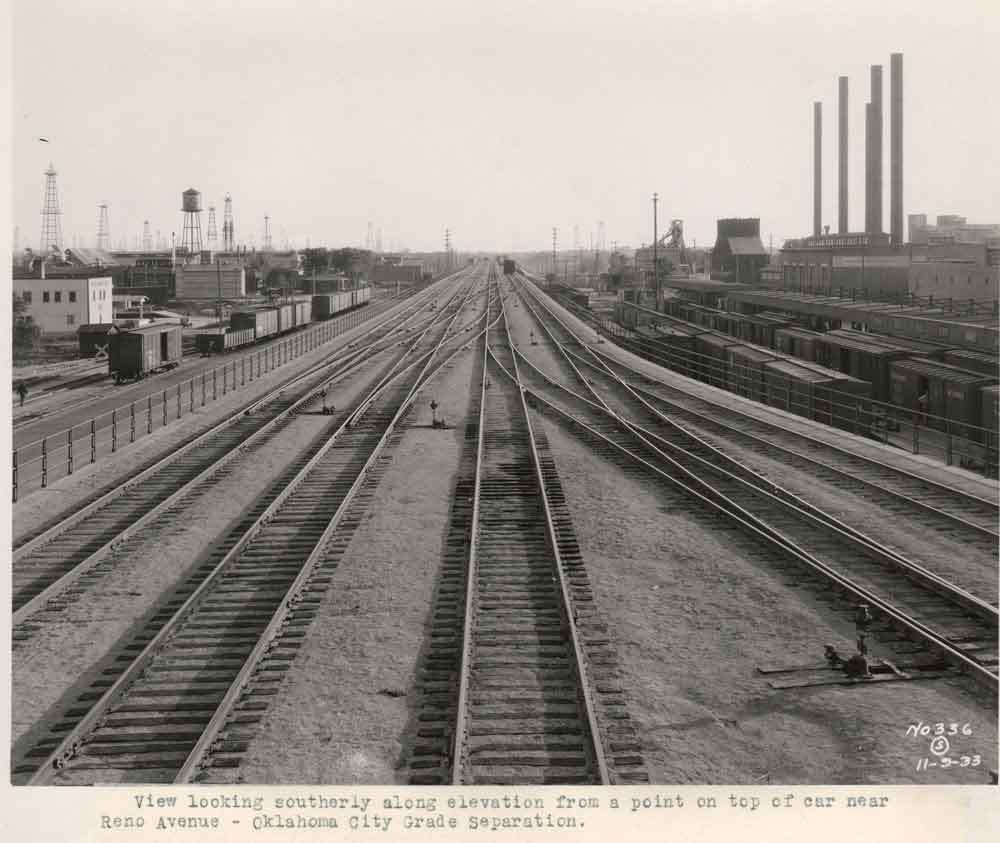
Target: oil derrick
212, 233
51, 223
147, 237
267, 234
103, 228
228, 235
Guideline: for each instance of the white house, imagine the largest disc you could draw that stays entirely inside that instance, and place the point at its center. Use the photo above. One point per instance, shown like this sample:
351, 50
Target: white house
61, 305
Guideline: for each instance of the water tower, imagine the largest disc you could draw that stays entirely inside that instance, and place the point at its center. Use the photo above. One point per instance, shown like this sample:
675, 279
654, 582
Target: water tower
191, 206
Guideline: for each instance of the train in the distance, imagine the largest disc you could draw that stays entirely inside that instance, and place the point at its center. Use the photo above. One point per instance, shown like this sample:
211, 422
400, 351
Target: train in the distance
250, 325
137, 353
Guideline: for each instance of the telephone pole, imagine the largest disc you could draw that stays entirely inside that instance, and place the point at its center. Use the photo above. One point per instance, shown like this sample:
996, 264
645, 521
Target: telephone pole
656, 266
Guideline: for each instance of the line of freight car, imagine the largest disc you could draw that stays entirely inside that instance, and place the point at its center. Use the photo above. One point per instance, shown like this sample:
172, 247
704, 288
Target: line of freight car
884, 362
253, 324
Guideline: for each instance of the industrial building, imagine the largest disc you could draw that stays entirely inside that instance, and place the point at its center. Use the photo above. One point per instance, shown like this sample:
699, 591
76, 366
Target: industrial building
62, 303
383, 273
738, 254
210, 281
950, 229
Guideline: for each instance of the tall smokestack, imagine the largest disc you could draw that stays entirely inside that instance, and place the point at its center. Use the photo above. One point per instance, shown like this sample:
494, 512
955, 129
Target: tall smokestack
869, 167
842, 158
817, 168
877, 149
896, 147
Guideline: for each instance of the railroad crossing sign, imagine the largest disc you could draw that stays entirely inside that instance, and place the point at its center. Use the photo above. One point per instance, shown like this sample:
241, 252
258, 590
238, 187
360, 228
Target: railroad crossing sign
102, 353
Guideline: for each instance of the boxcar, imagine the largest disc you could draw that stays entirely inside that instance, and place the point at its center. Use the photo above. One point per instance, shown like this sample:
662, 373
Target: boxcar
711, 347
798, 342
975, 361
362, 295
851, 353
325, 305
262, 320
790, 386
144, 351
917, 348
843, 401
954, 395
990, 406
302, 313
758, 330
746, 371
667, 347
286, 317
816, 392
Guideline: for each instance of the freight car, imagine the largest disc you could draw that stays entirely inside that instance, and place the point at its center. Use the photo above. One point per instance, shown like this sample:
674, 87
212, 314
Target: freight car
250, 325
509, 267
990, 422
136, 354
221, 340
954, 396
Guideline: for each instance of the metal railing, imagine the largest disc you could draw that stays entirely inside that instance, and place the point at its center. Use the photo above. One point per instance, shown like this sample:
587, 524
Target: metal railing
38, 463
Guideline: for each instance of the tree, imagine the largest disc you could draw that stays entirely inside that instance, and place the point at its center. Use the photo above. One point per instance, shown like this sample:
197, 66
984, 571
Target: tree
26, 332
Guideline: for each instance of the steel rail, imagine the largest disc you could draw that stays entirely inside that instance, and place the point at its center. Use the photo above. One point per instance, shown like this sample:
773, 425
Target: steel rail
24, 611
943, 487
464, 669
803, 509
722, 502
580, 661
196, 757
411, 311
604, 368
69, 745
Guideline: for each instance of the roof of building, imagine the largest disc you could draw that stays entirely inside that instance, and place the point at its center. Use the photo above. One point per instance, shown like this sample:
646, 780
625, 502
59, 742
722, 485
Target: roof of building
747, 246
92, 257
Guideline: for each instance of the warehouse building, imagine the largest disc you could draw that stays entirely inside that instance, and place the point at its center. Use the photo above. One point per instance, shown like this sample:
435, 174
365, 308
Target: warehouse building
210, 281
60, 305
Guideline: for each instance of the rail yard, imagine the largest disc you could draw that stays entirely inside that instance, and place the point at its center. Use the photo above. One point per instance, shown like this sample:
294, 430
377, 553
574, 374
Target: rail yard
473, 538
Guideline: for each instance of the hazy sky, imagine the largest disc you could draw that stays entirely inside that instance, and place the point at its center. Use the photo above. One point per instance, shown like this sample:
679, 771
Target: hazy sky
498, 120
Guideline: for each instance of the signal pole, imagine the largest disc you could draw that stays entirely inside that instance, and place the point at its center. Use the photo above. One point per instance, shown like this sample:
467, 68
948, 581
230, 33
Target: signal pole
656, 267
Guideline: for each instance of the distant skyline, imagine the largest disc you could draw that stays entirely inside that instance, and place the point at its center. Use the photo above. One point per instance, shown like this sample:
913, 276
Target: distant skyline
497, 122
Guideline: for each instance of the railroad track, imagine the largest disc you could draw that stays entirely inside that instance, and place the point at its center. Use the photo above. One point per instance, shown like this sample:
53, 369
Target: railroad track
951, 508
528, 708
959, 628
52, 567
180, 699
588, 366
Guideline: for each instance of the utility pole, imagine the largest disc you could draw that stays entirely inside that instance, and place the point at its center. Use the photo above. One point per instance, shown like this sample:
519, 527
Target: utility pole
555, 268
656, 266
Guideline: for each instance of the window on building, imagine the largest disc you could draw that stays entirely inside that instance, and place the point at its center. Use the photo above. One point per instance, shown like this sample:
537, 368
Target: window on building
26, 296
58, 296
72, 295
93, 295
45, 295
70, 319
